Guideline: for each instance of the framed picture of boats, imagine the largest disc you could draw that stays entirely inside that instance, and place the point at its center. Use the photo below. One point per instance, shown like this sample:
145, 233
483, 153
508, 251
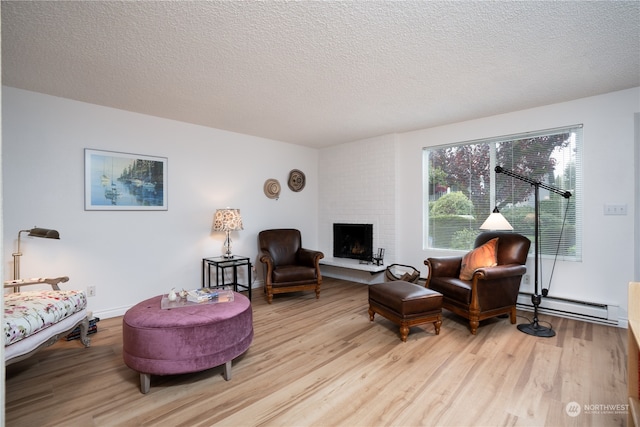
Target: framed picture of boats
123, 182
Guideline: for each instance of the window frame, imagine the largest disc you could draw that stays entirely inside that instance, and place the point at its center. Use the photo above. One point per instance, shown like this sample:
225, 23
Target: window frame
575, 147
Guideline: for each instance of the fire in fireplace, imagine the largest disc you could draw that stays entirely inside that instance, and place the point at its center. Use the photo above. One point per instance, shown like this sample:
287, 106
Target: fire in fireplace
353, 241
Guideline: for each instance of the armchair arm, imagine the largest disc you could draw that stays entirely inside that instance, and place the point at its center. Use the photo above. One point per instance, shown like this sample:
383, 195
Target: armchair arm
495, 287
15, 284
500, 271
265, 257
267, 260
443, 267
309, 257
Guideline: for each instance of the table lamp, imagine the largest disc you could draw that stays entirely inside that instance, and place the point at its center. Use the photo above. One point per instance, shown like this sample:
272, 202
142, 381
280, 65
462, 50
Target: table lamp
227, 220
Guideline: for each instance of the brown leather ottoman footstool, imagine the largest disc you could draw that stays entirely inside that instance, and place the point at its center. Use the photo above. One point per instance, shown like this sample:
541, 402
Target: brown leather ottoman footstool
405, 304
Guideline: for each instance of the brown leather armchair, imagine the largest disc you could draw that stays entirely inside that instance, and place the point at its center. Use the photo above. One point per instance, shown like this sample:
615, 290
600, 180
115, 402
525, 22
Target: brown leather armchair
492, 291
288, 266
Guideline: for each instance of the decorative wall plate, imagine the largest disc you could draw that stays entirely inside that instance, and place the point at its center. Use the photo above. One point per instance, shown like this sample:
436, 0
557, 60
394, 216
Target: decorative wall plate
296, 180
272, 188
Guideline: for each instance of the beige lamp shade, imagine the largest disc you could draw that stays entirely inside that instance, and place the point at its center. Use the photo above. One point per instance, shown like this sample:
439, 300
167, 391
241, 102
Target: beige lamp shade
227, 220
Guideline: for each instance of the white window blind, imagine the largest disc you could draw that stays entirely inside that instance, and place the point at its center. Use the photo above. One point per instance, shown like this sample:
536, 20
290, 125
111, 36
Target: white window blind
461, 189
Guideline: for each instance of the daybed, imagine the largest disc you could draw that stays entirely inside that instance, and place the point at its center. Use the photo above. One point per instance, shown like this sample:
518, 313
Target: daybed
37, 319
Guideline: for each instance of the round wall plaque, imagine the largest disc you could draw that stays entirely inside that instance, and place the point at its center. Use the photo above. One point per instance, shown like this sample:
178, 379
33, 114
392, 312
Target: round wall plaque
272, 188
296, 180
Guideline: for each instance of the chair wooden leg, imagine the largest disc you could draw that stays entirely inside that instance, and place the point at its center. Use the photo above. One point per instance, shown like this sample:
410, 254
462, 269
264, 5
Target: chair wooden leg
437, 325
269, 294
371, 314
473, 324
474, 319
512, 315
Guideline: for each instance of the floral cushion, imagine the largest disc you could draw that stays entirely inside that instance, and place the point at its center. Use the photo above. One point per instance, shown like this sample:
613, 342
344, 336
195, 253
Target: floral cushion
26, 313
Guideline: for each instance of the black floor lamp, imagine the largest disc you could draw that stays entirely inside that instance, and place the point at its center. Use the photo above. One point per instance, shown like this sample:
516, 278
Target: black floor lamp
534, 327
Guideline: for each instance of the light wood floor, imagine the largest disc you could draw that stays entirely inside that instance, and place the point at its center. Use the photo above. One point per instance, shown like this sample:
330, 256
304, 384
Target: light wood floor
323, 363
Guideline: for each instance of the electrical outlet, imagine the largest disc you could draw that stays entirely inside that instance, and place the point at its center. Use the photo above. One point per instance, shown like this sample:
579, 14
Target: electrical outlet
525, 279
91, 291
615, 209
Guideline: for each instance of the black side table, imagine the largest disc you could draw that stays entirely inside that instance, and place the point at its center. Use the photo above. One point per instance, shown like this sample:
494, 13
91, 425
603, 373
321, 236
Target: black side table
220, 263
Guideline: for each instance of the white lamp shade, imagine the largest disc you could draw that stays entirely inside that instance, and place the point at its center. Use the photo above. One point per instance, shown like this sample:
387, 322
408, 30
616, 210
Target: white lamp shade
496, 221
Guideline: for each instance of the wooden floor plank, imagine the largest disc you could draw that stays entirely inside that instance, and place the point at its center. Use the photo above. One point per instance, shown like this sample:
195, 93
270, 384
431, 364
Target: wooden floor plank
324, 363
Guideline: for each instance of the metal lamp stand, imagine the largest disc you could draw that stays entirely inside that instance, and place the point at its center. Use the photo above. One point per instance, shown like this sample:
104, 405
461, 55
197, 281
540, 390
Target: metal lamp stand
534, 327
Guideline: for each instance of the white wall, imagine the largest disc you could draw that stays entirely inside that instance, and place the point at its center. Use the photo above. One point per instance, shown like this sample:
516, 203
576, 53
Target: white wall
133, 255
608, 242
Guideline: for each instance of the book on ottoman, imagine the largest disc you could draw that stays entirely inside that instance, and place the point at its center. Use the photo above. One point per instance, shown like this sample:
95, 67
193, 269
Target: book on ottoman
210, 295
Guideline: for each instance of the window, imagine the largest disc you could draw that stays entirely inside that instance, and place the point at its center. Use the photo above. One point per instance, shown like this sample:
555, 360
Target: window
462, 187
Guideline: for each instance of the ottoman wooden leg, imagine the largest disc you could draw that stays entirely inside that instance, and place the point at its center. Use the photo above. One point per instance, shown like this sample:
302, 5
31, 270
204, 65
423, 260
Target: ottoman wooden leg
145, 383
227, 371
437, 325
404, 331
371, 314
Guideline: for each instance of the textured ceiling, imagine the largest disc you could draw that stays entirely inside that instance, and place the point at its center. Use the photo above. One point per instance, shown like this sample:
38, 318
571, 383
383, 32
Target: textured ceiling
319, 73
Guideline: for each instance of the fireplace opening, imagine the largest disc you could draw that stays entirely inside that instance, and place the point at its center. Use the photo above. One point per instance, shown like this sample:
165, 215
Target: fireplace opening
353, 241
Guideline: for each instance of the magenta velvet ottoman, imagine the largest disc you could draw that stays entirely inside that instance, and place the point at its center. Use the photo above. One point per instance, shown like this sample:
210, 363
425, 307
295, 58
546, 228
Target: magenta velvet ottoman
180, 340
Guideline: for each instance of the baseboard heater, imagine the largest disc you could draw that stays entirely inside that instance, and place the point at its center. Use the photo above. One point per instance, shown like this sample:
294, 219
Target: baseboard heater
592, 312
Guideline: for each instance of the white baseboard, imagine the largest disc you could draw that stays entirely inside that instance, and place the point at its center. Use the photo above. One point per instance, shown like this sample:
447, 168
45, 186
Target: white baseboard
113, 312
